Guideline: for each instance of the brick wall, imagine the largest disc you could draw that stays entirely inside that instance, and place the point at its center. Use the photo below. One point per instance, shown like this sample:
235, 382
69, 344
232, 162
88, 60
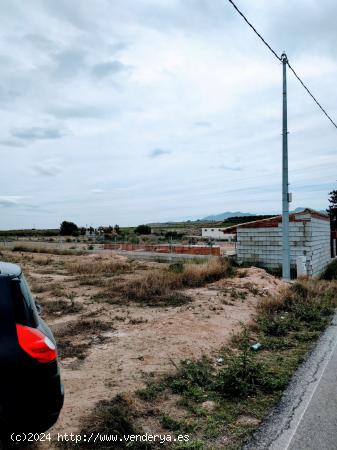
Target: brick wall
179, 249
320, 245
309, 236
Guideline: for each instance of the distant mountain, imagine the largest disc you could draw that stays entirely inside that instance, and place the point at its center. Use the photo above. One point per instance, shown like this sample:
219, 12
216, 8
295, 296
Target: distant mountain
300, 208
229, 214
226, 215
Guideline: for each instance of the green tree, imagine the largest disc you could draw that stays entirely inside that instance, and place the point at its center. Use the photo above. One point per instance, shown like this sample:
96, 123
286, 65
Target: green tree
332, 209
68, 228
143, 229
117, 229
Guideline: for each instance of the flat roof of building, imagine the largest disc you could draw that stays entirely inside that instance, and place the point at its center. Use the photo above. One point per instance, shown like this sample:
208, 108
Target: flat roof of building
274, 221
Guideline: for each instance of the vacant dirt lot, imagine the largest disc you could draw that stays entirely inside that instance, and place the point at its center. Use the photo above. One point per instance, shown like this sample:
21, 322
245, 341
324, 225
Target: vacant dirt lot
112, 338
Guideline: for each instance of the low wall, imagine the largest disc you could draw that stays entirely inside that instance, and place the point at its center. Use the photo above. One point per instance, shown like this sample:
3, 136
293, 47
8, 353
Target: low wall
179, 249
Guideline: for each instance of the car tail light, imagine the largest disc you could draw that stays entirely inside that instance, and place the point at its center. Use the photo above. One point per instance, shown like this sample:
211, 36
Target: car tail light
36, 344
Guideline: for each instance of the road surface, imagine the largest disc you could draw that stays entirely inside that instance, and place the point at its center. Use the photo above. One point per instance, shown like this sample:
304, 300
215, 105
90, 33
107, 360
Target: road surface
306, 418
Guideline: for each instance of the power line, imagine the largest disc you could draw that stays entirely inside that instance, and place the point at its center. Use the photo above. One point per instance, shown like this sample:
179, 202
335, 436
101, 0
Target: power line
311, 95
254, 29
280, 59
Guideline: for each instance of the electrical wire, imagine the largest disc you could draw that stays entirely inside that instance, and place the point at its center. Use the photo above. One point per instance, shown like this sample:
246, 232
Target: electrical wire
254, 29
281, 59
311, 95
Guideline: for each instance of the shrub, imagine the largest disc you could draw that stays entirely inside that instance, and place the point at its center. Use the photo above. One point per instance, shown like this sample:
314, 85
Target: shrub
304, 305
330, 273
195, 275
143, 229
246, 382
117, 417
176, 267
277, 324
155, 288
192, 373
52, 251
75, 339
243, 375
61, 306
161, 287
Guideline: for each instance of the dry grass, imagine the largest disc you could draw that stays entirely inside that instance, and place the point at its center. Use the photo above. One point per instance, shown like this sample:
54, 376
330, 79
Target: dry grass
98, 266
37, 288
52, 251
77, 337
305, 294
56, 290
242, 383
194, 275
161, 287
116, 416
43, 261
276, 303
309, 302
9, 257
84, 280
155, 289
61, 307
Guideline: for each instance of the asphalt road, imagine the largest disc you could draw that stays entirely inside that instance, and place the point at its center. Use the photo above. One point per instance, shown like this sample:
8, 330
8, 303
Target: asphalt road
306, 418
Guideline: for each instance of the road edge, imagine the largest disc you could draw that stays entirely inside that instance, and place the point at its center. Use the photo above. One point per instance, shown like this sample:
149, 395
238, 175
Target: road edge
281, 424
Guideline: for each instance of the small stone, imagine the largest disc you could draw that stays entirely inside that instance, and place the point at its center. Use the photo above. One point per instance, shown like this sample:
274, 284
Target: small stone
248, 420
209, 405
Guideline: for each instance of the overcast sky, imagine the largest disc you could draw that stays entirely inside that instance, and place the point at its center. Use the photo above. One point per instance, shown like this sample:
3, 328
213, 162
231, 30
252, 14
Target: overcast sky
132, 111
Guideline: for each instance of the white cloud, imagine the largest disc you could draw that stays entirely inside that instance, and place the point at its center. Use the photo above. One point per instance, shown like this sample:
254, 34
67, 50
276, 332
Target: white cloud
11, 200
172, 107
156, 152
47, 168
36, 133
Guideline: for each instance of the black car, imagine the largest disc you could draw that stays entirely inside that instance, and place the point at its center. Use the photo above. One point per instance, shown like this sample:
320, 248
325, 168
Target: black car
31, 392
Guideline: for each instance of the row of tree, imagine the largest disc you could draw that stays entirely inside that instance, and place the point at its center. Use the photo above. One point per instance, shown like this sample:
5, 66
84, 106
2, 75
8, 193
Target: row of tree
71, 229
332, 210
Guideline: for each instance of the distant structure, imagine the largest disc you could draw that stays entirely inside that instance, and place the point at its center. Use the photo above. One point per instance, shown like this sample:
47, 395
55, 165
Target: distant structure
90, 233
218, 234
260, 242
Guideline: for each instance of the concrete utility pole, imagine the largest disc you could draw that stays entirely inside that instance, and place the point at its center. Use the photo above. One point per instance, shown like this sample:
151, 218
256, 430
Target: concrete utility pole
285, 194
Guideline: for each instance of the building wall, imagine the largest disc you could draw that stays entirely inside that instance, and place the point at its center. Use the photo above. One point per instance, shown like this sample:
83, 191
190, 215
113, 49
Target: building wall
309, 238
320, 245
217, 233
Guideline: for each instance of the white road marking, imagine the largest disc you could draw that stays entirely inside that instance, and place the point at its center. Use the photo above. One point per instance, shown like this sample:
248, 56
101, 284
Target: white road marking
311, 395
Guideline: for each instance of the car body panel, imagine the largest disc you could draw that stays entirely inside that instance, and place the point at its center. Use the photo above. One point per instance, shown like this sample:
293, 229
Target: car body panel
10, 269
31, 392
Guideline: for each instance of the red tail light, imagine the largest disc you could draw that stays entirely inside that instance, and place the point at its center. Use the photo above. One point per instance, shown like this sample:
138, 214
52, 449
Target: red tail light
36, 344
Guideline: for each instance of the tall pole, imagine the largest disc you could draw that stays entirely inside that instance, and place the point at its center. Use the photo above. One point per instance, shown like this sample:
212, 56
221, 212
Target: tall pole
285, 194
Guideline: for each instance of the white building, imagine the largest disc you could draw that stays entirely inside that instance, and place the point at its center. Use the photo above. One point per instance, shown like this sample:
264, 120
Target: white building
260, 242
217, 234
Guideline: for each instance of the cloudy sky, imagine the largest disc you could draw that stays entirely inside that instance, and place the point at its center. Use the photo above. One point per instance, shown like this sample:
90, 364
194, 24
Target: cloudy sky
132, 111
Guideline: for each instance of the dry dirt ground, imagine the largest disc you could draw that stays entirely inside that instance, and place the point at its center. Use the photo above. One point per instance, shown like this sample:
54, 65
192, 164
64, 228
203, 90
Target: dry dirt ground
105, 348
